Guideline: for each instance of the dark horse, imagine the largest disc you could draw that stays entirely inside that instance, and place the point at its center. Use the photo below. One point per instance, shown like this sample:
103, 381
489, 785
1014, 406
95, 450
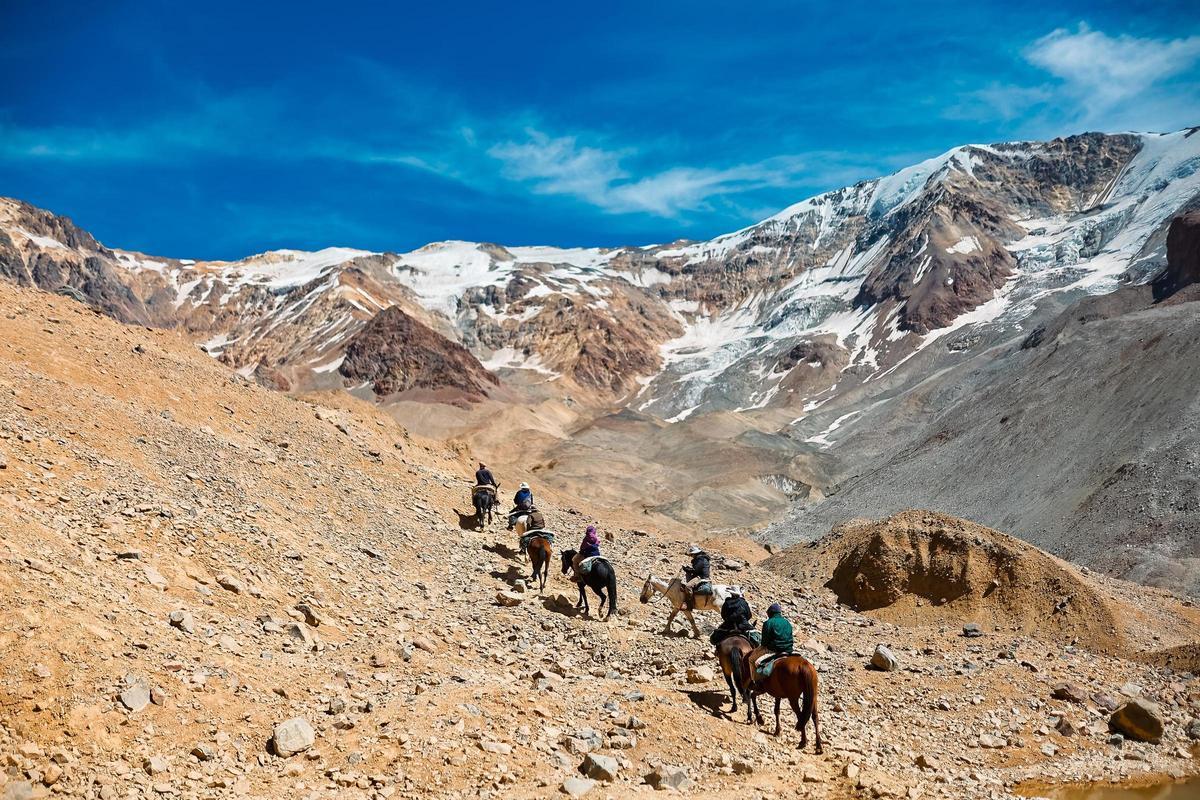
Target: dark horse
731, 653
792, 678
540, 552
599, 578
484, 500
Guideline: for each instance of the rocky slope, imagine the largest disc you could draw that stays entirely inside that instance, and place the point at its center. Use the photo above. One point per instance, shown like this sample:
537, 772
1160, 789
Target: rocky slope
396, 353
208, 589
1078, 436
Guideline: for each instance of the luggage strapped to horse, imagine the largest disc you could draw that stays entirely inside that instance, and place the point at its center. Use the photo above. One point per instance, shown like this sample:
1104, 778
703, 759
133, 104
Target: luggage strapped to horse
537, 533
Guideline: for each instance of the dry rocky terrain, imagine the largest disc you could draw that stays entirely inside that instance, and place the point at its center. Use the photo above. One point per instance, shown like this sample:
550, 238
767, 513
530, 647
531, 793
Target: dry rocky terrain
208, 589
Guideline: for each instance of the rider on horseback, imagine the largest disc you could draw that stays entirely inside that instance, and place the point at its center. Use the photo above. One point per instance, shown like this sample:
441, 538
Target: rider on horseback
697, 574
777, 642
588, 548
735, 618
483, 477
522, 503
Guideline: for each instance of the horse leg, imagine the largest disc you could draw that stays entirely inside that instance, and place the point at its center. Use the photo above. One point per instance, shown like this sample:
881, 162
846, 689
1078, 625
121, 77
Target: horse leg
732, 691
754, 707
778, 703
670, 619
801, 721
817, 730
691, 619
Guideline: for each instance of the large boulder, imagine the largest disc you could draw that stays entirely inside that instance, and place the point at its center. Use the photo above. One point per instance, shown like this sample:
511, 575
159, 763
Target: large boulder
1138, 719
884, 659
293, 736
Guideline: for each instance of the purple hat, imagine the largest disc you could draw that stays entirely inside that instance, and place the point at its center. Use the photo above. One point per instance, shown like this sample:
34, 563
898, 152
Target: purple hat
775, 609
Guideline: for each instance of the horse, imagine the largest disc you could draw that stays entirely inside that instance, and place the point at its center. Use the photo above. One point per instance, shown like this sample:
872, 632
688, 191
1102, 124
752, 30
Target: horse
731, 653
684, 599
540, 551
484, 500
792, 677
520, 525
600, 578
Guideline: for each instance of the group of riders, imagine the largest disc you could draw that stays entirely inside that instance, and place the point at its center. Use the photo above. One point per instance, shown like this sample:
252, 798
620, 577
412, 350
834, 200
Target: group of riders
775, 639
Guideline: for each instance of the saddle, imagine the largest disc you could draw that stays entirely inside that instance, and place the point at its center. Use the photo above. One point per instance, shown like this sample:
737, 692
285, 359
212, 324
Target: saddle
763, 666
485, 488
529, 536
586, 565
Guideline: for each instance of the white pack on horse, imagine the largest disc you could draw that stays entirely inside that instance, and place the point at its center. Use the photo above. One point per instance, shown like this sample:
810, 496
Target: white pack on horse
684, 598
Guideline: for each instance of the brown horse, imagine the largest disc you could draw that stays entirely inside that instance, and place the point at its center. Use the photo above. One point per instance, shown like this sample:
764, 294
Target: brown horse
731, 653
539, 551
791, 679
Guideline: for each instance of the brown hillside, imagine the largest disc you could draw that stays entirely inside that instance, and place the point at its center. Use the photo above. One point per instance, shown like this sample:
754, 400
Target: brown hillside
924, 568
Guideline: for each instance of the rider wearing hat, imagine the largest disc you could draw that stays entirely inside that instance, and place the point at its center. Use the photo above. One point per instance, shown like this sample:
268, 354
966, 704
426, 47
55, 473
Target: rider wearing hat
698, 571
523, 499
522, 502
588, 548
777, 641
483, 476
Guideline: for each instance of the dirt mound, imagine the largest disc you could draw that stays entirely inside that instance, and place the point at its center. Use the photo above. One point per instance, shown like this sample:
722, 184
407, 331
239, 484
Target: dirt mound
921, 567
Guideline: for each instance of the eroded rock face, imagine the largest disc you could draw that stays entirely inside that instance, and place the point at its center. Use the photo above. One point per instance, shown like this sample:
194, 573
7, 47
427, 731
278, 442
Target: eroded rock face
1183, 255
396, 353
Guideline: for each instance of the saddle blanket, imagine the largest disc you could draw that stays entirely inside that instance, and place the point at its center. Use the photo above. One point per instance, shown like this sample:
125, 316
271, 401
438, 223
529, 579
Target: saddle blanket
489, 489
529, 536
586, 565
764, 665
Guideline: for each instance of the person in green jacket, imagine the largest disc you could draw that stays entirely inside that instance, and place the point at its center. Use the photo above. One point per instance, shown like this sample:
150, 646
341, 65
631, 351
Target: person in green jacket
776, 642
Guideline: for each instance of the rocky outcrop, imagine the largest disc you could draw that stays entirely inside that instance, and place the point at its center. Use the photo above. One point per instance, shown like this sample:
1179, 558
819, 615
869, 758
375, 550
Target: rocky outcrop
396, 353
1183, 256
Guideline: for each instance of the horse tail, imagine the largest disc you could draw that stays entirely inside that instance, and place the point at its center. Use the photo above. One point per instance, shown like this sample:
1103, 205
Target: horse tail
612, 591
808, 676
735, 666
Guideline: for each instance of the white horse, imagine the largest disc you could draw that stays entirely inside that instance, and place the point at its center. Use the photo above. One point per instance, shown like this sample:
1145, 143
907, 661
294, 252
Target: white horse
683, 599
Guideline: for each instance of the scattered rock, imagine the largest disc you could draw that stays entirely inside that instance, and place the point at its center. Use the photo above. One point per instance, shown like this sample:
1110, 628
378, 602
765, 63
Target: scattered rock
972, 630
1069, 691
665, 777
136, 694
598, 767
183, 620
1138, 719
883, 659
507, 598
577, 787
230, 584
293, 736
703, 674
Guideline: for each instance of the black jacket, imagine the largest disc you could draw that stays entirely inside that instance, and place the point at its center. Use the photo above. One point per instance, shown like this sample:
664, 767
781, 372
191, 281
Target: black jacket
700, 567
735, 613
483, 477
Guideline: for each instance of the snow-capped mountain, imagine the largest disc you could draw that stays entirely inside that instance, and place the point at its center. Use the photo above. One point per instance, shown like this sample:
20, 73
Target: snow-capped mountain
837, 290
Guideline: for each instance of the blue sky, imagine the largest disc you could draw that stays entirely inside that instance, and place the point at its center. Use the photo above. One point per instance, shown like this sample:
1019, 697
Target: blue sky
216, 130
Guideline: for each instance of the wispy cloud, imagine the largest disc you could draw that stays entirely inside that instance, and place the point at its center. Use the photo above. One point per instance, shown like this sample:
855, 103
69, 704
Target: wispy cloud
1093, 79
1104, 70
561, 165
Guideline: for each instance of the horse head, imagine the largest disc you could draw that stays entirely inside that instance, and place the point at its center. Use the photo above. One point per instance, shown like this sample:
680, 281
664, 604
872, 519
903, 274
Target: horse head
567, 557
647, 589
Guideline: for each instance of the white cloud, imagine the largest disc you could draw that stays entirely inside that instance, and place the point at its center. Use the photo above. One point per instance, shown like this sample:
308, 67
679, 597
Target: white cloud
1104, 70
1095, 80
561, 166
